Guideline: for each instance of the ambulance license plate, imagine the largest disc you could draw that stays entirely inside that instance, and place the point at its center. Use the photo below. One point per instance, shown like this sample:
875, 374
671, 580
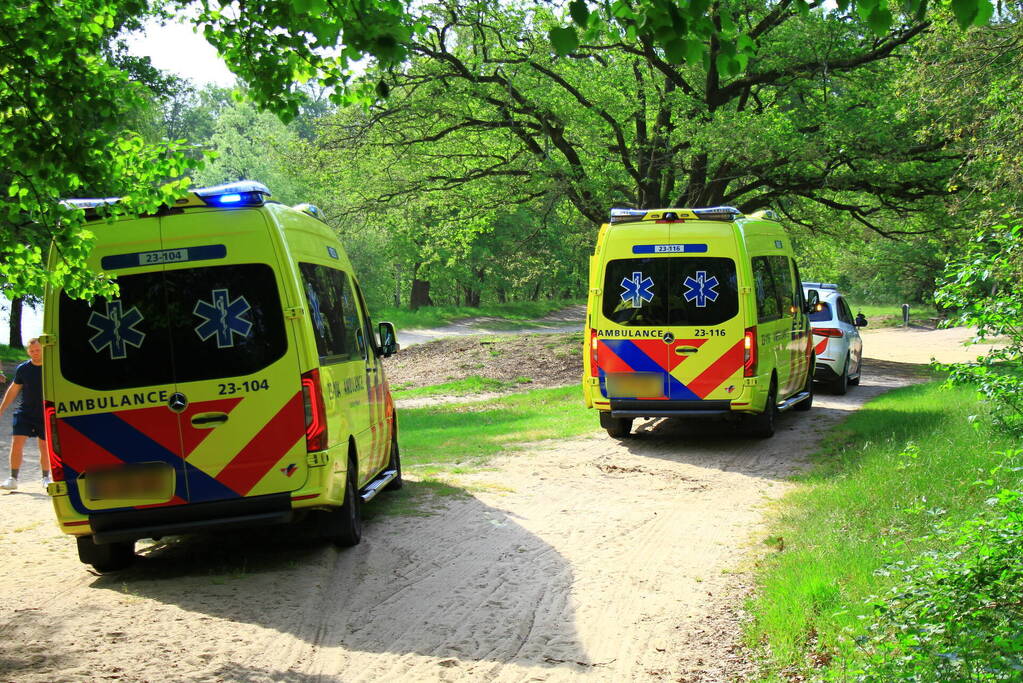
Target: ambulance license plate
634, 384
151, 480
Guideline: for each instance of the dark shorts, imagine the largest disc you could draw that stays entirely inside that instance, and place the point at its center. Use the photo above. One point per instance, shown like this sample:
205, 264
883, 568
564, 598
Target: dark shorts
25, 426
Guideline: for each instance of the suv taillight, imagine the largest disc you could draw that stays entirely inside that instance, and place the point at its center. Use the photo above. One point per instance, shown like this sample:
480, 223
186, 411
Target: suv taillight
749, 352
315, 412
827, 332
52, 441
594, 370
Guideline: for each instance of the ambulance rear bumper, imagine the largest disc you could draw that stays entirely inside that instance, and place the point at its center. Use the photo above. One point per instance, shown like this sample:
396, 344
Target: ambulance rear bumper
683, 409
131, 525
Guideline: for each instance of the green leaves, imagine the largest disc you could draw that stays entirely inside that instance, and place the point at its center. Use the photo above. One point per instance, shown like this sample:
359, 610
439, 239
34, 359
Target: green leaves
564, 40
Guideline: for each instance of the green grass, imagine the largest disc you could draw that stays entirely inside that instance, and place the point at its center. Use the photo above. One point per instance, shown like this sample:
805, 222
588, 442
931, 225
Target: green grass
895, 468
474, 384
463, 436
9, 355
890, 315
434, 316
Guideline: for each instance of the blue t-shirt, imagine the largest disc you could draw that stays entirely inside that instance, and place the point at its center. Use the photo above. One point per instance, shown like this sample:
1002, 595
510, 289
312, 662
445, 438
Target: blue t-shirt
30, 377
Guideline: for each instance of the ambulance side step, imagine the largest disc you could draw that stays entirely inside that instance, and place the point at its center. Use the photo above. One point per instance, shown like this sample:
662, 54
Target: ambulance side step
791, 402
377, 485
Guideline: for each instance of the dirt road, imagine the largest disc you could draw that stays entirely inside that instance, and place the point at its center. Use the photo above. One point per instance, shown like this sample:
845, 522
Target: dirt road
586, 559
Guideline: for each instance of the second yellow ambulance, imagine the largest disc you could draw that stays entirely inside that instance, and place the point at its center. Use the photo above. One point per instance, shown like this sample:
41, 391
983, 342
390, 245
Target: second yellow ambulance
696, 313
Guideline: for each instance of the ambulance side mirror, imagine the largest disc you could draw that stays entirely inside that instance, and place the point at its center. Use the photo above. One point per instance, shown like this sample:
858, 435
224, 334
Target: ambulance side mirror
813, 300
388, 340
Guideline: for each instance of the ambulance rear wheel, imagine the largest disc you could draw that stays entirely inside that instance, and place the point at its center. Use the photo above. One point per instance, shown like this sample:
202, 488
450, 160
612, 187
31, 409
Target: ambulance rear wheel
343, 526
395, 464
762, 425
807, 403
618, 427
106, 557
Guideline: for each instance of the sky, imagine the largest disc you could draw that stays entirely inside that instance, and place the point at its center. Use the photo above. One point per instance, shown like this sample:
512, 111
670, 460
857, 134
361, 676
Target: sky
174, 48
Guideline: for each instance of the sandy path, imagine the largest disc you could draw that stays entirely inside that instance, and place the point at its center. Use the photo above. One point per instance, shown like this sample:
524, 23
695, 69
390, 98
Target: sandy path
585, 559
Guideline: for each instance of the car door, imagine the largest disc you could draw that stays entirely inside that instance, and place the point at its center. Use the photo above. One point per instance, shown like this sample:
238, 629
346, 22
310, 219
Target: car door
773, 327
337, 328
852, 333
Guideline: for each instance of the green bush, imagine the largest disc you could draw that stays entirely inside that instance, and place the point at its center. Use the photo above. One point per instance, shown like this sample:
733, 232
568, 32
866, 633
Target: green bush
956, 615
985, 286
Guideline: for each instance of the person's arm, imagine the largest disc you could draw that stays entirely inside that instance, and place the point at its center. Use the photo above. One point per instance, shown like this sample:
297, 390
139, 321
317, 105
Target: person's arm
12, 393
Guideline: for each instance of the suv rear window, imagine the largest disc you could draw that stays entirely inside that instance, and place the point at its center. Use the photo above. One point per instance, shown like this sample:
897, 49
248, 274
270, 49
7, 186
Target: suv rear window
176, 326
823, 315
678, 290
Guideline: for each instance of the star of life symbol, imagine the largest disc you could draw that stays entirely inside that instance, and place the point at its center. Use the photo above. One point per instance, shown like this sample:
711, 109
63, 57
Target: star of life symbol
116, 330
637, 289
701, 289
222, 317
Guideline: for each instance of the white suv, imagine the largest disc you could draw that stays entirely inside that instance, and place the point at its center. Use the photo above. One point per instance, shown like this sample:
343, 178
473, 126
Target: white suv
836, 339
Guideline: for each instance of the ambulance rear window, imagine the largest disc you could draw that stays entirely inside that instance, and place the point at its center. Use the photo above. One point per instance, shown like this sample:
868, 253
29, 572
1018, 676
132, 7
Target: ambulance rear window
177, 326
686, 290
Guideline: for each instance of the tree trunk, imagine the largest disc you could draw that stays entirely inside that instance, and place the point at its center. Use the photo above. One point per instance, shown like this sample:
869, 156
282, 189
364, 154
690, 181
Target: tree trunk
502, 295
535, 296
420, 295
15, 329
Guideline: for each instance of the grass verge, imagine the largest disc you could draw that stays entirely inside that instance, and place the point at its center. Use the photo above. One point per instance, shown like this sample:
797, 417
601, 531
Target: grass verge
473, 384
459, 436
904, 463
435, 316
9, 355
890, 315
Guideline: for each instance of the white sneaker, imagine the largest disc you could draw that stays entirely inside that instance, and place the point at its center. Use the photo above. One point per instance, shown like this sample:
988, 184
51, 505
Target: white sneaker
10, 483
47, 480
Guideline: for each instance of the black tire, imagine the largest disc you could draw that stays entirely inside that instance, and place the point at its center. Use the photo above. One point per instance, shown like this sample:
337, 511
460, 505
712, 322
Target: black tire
808, 403
106, 557
841, 384
395, 464
619, 427
762, 425
343, 526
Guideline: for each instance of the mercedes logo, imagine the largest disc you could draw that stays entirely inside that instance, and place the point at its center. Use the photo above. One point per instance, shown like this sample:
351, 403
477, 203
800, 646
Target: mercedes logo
668, 337
177, 402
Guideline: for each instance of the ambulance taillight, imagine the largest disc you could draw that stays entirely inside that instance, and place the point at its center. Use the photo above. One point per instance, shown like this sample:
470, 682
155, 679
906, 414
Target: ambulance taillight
594, 370
315, 412
53, 441
749, 352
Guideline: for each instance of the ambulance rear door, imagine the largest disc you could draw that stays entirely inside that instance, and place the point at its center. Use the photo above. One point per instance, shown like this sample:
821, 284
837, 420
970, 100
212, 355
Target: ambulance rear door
240, 405
705, 325
111, 378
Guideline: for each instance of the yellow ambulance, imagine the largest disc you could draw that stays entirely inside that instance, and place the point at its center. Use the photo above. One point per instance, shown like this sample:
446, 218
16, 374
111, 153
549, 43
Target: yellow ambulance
235, 379
696, 313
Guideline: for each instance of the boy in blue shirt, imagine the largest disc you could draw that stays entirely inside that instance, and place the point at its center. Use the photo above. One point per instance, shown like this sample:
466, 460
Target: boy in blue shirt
28, 416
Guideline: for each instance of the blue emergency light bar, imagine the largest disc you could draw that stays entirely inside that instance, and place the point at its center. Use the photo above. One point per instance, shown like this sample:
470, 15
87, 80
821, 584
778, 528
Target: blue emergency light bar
713, 213
241, 193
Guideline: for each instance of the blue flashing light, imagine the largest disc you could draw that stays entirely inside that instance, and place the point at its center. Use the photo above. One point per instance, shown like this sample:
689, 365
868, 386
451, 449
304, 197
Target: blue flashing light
243, 193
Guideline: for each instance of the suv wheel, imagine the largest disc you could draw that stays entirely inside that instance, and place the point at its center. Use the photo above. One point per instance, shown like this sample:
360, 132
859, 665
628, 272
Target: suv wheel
841, 385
